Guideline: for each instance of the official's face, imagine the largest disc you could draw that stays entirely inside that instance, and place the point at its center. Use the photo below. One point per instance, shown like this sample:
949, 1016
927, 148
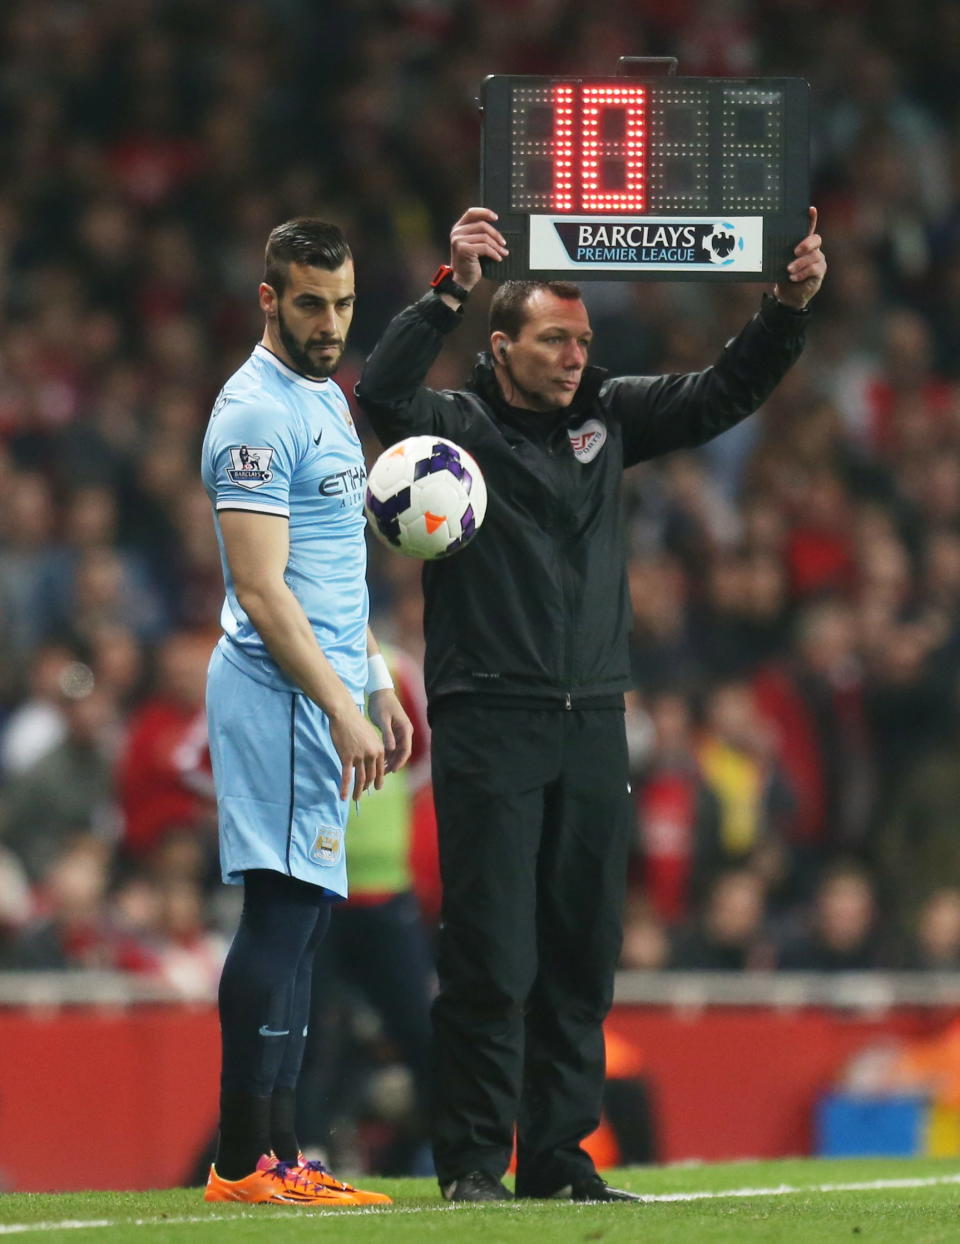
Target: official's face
544, 366
312, 317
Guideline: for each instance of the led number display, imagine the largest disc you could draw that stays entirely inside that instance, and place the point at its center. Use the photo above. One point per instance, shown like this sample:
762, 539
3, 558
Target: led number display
578, 147
676, 178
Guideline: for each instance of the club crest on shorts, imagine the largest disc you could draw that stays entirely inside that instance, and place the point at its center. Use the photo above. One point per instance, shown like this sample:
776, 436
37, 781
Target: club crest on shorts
250, 465
328, 846
587, 440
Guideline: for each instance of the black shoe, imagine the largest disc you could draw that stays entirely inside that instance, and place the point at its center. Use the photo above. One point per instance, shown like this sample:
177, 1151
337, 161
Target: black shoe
584, 1188
593, 1188
476, 1186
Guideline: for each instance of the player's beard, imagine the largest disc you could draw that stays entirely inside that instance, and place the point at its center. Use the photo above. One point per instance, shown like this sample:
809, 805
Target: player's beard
302, 360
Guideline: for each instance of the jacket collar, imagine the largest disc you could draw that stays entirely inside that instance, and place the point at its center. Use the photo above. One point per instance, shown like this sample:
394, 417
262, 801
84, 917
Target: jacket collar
483, 382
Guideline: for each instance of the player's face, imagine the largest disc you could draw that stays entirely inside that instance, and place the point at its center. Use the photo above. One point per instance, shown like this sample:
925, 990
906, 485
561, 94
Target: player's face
312, 317
544, 366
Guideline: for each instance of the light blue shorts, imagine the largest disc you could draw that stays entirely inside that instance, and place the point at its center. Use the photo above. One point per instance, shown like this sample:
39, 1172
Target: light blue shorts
277, 777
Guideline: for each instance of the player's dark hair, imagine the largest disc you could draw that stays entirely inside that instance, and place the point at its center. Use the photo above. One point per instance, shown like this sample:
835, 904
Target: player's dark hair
304, 240
508, 307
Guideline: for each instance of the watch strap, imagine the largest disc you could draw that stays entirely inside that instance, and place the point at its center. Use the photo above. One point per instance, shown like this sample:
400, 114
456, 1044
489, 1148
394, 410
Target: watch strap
444, 283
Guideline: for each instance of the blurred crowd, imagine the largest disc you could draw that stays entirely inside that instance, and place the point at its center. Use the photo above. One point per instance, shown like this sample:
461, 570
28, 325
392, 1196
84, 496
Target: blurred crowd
796, 584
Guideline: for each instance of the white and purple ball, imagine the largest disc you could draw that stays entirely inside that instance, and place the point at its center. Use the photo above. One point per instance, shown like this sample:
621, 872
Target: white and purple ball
426, 497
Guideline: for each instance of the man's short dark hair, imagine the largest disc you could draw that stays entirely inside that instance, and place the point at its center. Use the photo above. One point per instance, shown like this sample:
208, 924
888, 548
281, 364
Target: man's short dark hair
304, 240
508, 307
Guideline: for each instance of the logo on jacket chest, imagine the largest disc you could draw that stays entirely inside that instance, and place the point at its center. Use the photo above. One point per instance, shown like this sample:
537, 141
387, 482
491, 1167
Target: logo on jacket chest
587, 440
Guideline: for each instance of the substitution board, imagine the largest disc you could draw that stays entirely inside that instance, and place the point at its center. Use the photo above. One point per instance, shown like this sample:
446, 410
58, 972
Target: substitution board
646, 178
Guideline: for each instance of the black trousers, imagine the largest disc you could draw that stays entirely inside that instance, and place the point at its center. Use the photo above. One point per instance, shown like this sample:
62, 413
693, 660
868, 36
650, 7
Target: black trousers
533, 830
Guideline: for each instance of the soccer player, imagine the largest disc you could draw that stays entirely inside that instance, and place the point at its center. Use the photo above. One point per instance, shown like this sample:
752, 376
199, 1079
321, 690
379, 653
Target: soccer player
289, 743
526, 666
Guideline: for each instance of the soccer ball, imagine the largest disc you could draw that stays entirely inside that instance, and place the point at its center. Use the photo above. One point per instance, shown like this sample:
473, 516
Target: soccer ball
425, 497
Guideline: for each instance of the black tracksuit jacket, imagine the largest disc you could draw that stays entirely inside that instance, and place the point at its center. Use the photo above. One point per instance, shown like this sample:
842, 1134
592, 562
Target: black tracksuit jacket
536, 608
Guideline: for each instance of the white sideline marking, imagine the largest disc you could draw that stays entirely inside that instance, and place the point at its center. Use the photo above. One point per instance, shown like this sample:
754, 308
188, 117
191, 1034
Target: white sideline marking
871, 1185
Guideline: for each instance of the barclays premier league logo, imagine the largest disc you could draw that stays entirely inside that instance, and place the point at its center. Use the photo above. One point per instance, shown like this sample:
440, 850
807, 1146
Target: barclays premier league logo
615, 241
250, 466
663, 244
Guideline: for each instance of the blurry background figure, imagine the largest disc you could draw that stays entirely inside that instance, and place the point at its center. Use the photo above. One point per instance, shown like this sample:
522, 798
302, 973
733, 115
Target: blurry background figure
737, 755
814, 699
741, 616
730, 935
662, 646
69, 929
190, 954
17, 903
844, 933
90, 523
917, 847
159, 930
70, 790
27, 533
935, 944
166, 737
676, 813
365, 1090
133, 908
118, 659
100, 594
820, 557
38, 723
717, 612
698, 519
646, 945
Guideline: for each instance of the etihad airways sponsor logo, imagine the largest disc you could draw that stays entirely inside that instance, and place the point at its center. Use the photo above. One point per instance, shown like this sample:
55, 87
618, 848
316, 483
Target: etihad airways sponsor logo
342, 483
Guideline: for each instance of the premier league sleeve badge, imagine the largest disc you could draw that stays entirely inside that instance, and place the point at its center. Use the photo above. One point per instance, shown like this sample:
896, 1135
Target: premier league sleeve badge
250, 466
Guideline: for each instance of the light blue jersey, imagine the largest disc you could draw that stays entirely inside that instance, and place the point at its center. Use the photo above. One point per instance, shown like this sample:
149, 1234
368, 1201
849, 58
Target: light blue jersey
279, 443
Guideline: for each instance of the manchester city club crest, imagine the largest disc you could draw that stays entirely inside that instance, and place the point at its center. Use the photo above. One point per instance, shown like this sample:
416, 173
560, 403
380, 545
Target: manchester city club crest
250, 466
328, 846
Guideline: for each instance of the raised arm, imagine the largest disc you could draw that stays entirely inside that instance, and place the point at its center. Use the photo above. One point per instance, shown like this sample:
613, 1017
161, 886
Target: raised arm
391, 389
662, 413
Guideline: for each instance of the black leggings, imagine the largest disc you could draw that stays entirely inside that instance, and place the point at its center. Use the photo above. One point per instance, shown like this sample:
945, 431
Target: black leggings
265, 987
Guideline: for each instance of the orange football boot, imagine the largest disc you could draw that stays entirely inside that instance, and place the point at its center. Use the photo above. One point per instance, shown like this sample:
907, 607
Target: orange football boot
277, 1183
319, 1173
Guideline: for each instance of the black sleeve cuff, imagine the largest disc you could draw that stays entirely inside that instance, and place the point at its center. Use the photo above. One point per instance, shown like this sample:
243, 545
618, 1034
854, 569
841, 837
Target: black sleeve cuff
780, 318
437, 314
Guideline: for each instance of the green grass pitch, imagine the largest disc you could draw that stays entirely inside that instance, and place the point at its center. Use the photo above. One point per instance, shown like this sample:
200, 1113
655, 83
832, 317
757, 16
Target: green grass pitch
807, 1201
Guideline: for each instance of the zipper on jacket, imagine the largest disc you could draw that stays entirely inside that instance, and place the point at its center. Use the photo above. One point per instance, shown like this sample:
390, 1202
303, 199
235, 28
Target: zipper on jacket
567, 701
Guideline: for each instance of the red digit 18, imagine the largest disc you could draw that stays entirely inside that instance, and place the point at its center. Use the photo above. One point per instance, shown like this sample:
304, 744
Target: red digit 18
607, 165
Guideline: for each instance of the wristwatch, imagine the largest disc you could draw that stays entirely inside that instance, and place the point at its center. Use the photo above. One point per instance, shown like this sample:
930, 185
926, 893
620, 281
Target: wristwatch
443, 283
